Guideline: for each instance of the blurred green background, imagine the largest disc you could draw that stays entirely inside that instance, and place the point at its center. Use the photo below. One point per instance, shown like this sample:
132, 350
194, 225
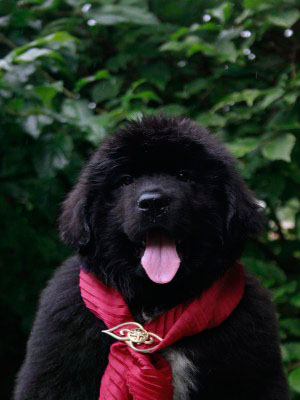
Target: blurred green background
71, 71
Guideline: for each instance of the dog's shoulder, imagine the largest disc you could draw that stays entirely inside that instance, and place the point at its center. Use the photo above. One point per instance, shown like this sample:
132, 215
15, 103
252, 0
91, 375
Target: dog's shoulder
249, 334
62, 294
257, 306
61, 307
252, 328
65, 344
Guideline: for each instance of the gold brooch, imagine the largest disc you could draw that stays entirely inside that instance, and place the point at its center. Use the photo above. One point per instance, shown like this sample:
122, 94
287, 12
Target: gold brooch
134, 337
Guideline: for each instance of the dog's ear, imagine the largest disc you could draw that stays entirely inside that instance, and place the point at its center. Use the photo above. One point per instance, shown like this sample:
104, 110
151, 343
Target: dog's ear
244, 215
73, 224
74, 221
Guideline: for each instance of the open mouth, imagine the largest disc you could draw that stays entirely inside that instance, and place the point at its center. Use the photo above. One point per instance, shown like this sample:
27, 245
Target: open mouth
160, 259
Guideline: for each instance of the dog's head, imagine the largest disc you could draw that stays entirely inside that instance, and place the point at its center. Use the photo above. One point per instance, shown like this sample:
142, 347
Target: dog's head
160, 202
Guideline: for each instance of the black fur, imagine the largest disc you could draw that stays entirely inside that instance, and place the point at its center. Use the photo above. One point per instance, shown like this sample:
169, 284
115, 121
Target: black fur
210, 212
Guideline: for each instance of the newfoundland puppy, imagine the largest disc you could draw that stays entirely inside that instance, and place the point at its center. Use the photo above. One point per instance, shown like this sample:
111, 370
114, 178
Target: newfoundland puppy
159, 213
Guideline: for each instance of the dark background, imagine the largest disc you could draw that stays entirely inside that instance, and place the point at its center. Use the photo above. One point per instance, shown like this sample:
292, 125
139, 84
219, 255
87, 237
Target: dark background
72, 71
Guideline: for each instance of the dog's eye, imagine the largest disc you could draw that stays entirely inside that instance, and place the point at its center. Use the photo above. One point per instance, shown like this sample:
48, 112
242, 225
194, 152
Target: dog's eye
185, 176
125, 180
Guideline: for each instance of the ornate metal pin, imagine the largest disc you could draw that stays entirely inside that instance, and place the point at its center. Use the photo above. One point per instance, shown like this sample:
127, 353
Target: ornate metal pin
135, 336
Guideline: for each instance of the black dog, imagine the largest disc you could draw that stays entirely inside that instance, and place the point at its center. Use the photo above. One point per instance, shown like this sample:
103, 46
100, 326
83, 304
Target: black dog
157, 180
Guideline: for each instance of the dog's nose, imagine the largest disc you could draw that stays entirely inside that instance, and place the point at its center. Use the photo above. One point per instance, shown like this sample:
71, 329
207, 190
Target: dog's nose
153, 203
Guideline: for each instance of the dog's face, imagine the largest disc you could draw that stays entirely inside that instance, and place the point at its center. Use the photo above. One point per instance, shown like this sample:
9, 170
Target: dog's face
165, 200
160, 203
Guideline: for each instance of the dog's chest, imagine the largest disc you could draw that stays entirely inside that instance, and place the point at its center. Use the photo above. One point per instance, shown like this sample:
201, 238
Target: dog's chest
184, 373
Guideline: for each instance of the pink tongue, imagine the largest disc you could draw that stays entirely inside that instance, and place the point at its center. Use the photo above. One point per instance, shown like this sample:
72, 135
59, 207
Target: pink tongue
160, 260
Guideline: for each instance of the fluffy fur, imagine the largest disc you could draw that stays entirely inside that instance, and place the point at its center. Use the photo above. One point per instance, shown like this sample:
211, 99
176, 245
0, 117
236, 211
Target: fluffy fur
210, 214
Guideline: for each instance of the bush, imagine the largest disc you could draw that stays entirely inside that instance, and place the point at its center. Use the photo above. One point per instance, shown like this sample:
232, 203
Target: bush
71, 72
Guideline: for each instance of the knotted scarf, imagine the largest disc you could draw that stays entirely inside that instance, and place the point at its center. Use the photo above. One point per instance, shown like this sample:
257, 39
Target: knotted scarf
131, 375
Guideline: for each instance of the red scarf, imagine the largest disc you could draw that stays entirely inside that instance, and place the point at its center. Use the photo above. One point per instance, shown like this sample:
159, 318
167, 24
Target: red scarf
139, 376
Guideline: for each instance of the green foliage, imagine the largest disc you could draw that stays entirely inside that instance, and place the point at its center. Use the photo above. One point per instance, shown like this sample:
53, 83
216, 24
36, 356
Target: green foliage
71, 72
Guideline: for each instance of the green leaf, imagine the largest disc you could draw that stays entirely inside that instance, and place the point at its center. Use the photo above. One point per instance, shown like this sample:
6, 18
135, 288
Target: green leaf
291, 325
182, 31
113, 14
198, 45
268, 271
243, 16
147, 95
284, 353
4, 21
47, 93
291, 98
226, 50
47, 4
250, 95
119, 62
285, 19
210, 26
157, 73
247, 95
56, 37
228, 34
293, 351
280, 295
102, 74
97, 133
243, 146
173, 109
297, 221
136, 84
54, 154
81, 116
287, 212
63, 151
77, 110
258, 5
222, 12
173, 46
272, 95
106, 89
279, 148
60, 39
295, 301
34, 124
195, 87
33, 54
294, 379
209, 119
